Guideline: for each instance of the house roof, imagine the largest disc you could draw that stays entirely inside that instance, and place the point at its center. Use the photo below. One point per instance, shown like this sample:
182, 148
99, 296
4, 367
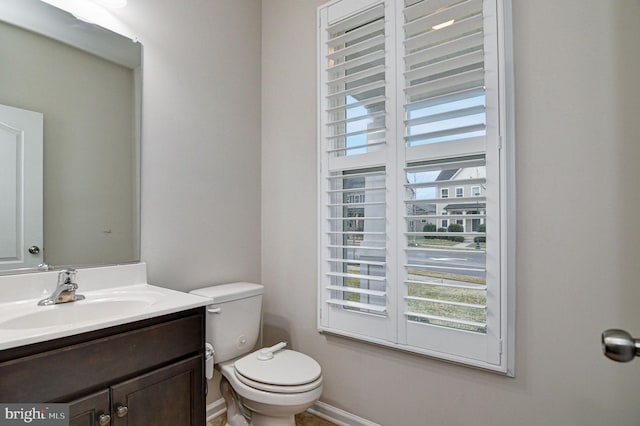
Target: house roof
465, 206
426, 207
446, 174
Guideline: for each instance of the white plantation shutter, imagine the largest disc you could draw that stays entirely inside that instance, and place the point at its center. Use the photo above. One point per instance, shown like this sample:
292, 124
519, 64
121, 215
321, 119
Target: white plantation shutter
354, 74
446, 305
448, 134
413, 188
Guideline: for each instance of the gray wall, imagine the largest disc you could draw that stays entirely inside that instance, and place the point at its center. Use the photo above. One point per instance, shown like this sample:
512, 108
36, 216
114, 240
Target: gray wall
205, 166
577, 110
201, 140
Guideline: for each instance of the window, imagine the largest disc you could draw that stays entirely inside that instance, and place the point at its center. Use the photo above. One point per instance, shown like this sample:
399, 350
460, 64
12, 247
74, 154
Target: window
413, 102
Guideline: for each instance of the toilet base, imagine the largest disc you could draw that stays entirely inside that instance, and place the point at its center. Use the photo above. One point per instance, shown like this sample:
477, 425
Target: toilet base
238, 415
258, 419
245, 411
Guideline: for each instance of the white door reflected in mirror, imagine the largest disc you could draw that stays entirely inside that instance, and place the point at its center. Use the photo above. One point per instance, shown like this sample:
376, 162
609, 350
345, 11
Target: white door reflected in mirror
21, 149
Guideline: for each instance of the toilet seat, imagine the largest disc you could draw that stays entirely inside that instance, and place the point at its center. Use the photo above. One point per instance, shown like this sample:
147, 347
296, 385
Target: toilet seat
277, 388
287, 372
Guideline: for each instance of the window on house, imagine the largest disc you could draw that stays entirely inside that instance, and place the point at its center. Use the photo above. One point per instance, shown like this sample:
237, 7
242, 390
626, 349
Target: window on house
445, 222
412, 97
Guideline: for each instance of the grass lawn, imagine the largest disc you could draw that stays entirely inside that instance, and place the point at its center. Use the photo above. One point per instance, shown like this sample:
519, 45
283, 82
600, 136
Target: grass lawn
459, 295
441, 242
435, 242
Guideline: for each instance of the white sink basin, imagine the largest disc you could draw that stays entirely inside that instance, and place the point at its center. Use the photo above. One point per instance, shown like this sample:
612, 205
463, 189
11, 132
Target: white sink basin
23, 321
67, 314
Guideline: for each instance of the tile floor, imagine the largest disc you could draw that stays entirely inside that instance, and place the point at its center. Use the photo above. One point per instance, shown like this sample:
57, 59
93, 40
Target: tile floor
303, 419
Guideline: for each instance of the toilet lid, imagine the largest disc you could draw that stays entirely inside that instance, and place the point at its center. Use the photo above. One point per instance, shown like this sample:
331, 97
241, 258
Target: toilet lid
286, 368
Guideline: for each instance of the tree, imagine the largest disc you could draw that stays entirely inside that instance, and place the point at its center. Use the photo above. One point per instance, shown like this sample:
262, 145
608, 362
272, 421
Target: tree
481, 228
454, 227
429, 227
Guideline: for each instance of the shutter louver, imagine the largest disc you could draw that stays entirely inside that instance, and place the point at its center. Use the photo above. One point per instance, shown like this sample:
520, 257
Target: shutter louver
444, 71
355, 67
446, 274
357, 240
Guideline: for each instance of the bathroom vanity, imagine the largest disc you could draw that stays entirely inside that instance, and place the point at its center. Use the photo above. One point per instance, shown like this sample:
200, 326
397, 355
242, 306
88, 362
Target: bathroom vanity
129, 355
145, 373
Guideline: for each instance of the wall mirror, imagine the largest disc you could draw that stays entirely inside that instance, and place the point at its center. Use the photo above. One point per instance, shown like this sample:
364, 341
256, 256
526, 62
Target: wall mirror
70, 100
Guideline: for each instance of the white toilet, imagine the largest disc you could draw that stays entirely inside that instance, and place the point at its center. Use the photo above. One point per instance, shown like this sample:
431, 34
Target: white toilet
266, 387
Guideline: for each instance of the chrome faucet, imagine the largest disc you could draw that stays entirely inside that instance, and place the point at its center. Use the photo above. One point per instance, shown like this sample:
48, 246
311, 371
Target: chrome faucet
65, 290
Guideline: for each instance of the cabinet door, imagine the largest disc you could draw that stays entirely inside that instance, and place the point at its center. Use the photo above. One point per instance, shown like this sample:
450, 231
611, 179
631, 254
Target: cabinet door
92, 410
170, 396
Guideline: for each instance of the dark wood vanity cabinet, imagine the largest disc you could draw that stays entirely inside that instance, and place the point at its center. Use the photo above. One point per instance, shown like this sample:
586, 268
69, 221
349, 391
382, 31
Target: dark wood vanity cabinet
144, 373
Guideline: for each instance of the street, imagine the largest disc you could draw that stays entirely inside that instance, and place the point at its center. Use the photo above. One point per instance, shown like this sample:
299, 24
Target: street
459, 262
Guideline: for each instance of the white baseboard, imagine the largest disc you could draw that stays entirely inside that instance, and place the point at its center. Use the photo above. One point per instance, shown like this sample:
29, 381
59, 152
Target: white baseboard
215, 409
320, 409
338, 416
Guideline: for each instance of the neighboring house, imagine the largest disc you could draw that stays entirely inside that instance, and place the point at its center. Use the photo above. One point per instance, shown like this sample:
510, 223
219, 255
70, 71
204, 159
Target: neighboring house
455, 196
461, 193
356, 199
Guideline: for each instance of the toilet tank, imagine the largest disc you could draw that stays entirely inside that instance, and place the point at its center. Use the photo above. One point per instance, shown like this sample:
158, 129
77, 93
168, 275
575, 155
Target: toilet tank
233, 318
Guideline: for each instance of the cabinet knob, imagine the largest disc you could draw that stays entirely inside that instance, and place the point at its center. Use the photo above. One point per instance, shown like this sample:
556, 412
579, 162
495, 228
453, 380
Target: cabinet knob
121, 411
104, 420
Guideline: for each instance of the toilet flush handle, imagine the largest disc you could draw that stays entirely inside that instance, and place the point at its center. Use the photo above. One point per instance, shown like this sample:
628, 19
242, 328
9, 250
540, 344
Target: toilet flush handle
266, 354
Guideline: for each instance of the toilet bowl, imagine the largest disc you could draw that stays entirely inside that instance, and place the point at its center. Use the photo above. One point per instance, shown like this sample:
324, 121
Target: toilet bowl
262, 388
277, 389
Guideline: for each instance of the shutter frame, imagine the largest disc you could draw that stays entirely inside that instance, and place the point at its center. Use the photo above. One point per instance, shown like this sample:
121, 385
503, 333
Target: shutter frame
494, 349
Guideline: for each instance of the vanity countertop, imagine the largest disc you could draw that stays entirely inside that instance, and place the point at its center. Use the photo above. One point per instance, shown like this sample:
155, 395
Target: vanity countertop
23, 322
